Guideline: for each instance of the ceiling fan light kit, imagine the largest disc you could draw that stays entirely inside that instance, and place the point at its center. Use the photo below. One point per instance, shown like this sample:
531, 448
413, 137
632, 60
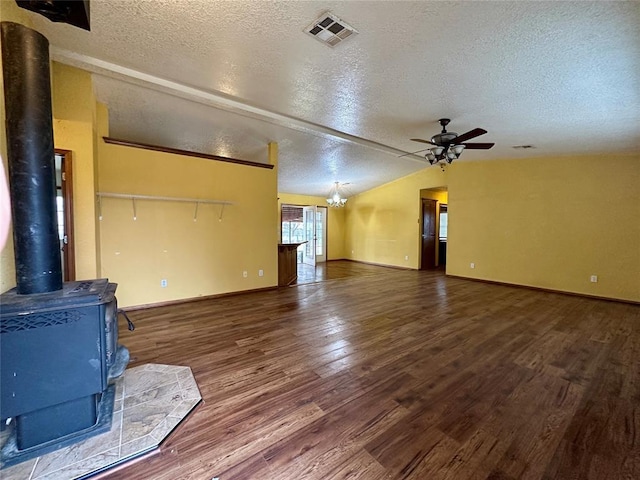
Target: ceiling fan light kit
448, 146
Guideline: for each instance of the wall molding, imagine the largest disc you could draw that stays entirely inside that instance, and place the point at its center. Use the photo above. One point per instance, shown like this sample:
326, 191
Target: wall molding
187, 153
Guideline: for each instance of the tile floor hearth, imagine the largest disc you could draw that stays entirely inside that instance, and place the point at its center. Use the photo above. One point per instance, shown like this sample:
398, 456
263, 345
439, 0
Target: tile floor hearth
151, 400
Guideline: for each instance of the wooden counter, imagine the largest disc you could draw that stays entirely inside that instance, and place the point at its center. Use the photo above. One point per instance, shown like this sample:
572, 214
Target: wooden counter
287, 263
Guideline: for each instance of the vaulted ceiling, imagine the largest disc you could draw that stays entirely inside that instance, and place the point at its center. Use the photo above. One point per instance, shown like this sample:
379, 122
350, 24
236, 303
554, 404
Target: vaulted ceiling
227, 77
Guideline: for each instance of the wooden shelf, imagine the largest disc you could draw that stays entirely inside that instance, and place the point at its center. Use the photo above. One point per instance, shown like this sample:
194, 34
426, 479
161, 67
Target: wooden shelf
133, 197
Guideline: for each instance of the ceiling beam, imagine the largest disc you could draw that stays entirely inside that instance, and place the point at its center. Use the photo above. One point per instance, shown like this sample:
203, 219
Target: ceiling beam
217, 100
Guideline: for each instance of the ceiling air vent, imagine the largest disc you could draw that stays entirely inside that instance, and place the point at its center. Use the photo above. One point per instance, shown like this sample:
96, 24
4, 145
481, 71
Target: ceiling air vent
330, 30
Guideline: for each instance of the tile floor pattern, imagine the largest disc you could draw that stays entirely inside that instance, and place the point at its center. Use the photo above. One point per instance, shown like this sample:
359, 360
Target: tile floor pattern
151, 400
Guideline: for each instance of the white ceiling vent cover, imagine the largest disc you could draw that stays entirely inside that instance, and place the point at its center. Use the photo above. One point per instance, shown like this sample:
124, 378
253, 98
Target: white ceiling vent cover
330, 30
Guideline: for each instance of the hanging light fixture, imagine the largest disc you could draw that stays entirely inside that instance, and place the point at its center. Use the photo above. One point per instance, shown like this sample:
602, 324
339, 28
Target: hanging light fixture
444, 154
335, 199
448, 146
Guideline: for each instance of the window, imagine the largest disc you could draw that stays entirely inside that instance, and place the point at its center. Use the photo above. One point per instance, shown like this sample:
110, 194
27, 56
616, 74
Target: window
443, 223
292, 226
319, 230
60, 214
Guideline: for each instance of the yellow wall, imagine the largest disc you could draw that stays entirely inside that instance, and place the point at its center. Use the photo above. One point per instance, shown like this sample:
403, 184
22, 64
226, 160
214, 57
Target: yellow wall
9, 12
335, 221
548, 222
198, 258
542, 222
383, 225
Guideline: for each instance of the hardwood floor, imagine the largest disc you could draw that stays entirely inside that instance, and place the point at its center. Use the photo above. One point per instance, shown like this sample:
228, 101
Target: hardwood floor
399, 375
335, 269
311, 274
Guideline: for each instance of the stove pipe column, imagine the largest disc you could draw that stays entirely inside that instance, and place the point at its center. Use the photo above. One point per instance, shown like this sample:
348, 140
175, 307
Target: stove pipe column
27, 95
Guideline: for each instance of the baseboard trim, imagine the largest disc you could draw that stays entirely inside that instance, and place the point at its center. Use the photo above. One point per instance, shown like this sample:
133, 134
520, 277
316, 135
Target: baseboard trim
396, 267
195, 299
548, 290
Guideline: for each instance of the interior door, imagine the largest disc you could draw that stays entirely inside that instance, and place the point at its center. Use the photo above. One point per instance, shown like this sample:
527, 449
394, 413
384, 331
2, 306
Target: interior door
321, 234
309, 222
428, 259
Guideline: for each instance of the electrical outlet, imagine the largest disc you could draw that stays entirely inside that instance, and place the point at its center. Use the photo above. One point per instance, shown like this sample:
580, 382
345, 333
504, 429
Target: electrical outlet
261, 273
163, 283
406, 257
594, 279
245, 274
472, 265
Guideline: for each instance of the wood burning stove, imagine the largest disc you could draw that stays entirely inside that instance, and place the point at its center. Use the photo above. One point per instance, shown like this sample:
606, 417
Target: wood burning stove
58, 352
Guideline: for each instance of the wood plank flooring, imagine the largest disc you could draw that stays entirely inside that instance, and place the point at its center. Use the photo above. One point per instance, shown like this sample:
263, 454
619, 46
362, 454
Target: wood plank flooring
393, 374
333, 270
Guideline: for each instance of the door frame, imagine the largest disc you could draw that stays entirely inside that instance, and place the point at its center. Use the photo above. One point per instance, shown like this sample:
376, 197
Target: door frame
69, 257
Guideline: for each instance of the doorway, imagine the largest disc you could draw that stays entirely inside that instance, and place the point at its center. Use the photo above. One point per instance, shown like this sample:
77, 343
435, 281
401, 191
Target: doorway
433, 227
308, 224
64, 212
428, 257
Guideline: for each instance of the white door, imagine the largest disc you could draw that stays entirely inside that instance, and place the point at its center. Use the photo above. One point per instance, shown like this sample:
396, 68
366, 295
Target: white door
309, 248
321, 234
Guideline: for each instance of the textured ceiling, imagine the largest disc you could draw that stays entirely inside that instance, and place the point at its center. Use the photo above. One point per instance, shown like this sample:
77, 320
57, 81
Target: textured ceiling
226, 77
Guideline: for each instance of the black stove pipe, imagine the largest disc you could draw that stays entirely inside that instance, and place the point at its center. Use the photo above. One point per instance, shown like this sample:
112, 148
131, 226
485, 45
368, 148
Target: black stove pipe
29, 127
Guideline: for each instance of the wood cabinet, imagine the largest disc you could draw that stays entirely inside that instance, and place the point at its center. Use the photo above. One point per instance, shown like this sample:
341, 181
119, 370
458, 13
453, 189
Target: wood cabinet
287, 263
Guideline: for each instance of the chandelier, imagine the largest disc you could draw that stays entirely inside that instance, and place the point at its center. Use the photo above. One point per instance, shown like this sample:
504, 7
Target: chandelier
335, 199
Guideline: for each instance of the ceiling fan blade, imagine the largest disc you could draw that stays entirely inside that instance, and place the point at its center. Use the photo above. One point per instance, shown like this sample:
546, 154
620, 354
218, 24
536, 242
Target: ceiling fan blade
478, 146
421, 141
476, 132
413, 153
